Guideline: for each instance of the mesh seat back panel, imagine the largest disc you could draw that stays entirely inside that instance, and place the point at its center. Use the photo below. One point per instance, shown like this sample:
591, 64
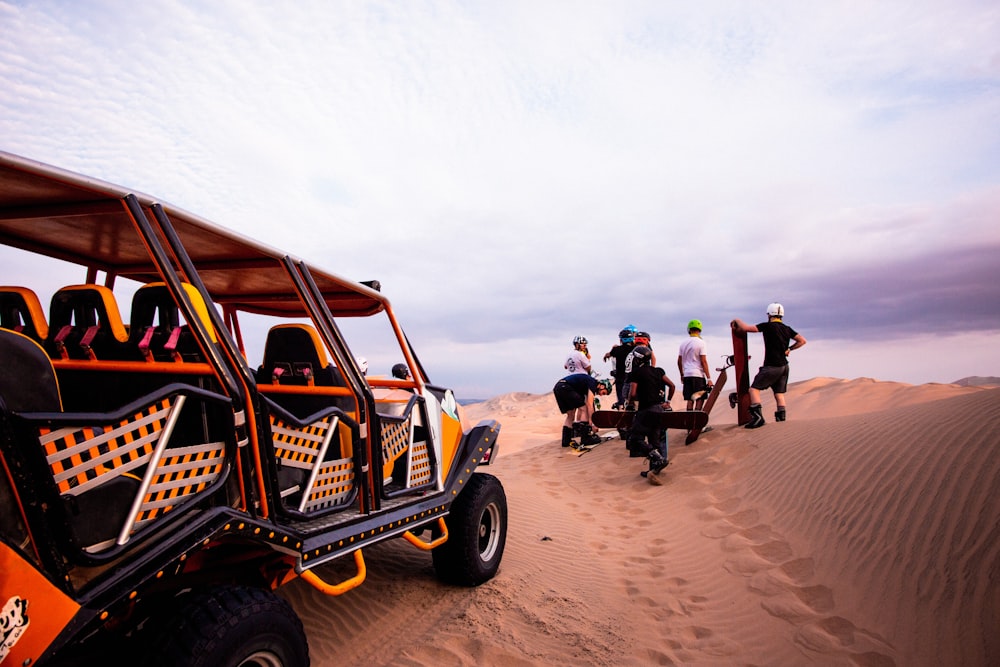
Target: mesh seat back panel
82, 457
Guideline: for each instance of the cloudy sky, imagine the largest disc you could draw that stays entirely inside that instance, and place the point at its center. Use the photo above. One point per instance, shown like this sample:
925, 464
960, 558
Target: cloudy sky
519, 172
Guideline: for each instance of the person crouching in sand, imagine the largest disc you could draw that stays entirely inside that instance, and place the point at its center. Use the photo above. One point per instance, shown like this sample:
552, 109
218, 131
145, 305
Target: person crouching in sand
575, 398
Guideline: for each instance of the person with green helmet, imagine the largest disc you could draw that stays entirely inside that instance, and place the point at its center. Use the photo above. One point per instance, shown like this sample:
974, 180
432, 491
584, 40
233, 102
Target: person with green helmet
692, 361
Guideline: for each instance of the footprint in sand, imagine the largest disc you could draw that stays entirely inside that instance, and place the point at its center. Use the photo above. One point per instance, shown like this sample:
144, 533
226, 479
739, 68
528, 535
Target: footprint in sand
776, 551
799, 570
720, 530
818, 598
705, 641
657, 548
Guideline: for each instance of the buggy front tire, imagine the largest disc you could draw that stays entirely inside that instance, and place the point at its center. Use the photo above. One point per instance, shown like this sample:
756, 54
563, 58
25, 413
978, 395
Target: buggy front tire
477, 533
231, 627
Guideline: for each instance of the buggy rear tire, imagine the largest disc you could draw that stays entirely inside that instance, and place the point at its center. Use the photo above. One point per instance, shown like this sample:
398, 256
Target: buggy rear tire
477, 533
231, 627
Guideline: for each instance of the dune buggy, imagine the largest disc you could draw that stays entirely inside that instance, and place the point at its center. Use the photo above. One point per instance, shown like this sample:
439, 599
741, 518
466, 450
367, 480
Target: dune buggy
161, 475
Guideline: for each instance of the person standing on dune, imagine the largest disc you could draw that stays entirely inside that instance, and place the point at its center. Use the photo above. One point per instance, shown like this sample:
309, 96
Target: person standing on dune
626, 341
578, 360
692, 361
773, 374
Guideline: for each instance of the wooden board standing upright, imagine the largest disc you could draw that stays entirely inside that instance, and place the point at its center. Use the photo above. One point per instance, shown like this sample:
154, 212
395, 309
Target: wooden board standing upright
741, 370
713, 396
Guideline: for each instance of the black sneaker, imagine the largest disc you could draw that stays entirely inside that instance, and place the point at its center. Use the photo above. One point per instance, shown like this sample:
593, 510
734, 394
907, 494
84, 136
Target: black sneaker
657, 462
756, 421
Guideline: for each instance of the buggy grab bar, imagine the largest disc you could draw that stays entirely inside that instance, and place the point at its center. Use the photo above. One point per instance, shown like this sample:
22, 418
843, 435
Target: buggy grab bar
154, 463
433, 544
338, 589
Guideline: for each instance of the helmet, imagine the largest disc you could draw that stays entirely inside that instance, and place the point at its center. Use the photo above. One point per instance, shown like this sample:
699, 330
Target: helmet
640, 356
606, 383
641, 338
627, 335
775, 310
579, 340
400, 371
694, 324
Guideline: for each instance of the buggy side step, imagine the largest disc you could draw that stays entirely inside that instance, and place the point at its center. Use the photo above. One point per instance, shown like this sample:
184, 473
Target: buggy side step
338, 589
433, 544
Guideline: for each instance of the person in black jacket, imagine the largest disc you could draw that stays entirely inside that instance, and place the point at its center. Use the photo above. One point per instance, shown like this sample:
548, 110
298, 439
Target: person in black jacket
646, 386
626, 342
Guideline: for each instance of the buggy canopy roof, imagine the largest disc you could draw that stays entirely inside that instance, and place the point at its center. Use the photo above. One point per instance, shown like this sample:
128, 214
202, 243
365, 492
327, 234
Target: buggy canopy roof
83, 220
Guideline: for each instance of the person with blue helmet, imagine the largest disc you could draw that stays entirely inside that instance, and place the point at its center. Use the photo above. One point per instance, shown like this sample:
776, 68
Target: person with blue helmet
620, 352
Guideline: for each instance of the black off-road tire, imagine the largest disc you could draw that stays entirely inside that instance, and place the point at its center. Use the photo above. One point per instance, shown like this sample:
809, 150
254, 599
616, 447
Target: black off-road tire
230, 627
477, 533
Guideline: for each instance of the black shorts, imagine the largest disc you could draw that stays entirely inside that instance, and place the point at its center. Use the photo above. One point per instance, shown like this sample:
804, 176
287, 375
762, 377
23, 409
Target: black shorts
692, 385
772, 377
567, 398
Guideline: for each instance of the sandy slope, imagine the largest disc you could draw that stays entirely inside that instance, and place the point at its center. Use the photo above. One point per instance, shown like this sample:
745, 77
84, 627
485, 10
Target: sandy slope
865, 530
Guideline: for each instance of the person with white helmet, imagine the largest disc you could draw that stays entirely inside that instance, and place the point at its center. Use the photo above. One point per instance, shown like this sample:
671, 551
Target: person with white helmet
773, 374
692, 361
578, 360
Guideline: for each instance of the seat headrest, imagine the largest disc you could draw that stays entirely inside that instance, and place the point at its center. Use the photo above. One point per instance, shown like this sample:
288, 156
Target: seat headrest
155, 297
295, 349
20, 310
87, 305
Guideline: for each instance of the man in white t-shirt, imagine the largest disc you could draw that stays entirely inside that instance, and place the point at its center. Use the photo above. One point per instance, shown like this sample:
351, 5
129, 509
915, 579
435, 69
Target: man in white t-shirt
692, 361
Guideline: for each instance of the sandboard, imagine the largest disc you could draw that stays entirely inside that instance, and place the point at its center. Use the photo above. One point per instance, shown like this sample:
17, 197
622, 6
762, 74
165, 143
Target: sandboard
741, 371
579, 449
713, 396
680, 419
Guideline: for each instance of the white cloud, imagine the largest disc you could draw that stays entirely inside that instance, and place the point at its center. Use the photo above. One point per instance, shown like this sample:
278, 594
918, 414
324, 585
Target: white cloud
514, 155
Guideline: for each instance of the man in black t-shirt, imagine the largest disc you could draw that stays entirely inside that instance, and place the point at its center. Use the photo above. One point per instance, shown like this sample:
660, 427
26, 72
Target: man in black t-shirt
646, 385
773, 374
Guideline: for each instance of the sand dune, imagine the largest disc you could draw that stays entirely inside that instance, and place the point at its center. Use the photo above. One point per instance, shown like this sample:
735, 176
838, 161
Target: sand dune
864, 531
